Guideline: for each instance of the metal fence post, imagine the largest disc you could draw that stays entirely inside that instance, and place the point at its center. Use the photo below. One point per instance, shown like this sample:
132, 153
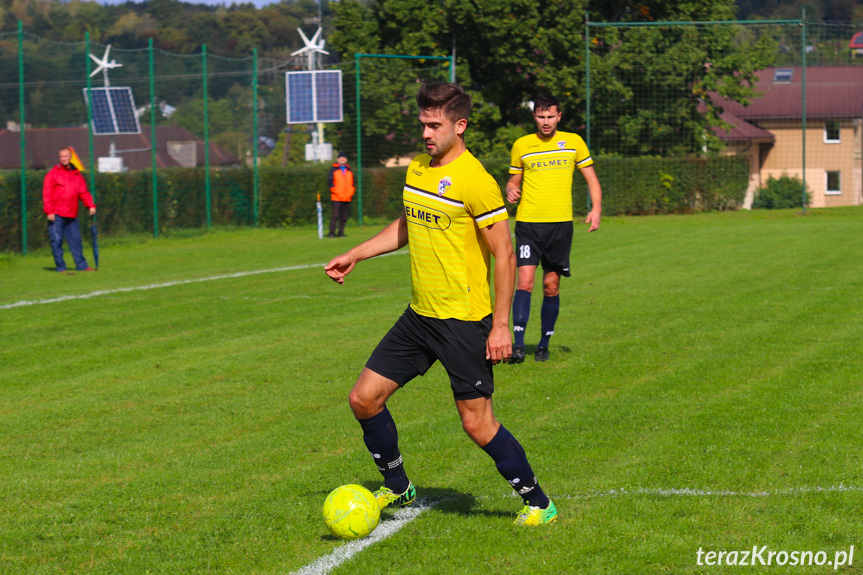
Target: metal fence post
587, 90
154, 180
359, 148
22, 138
803, 100
206, 134
90, 118
255, 133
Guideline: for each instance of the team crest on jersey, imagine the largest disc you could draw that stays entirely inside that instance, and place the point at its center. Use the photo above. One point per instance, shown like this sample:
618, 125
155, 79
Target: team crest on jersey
561, 144
443, 185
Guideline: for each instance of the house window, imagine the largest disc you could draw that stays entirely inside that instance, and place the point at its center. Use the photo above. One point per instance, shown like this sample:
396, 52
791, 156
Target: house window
831, 132
783, 75
834, 187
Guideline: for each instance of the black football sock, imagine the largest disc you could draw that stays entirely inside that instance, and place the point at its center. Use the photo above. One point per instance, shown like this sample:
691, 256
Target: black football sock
382, 440
511, 461
520, 315
548, 314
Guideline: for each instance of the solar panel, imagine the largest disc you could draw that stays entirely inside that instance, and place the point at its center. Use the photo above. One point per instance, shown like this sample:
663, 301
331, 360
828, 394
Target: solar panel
113, 111
314, 96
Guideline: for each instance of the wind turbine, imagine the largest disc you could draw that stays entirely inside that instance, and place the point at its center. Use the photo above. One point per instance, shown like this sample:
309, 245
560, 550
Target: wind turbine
312, 47
104, 65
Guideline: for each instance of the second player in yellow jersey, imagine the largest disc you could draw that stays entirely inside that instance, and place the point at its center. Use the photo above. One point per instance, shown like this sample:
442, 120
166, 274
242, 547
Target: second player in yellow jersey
546, 167
541, 169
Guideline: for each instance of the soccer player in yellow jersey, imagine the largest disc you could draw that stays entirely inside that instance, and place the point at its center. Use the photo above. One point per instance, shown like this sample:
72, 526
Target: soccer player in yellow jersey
454, 219
541, 171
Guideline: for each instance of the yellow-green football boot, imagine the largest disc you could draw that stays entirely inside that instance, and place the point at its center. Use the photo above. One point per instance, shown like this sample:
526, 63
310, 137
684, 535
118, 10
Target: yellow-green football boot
533, 516
386, 497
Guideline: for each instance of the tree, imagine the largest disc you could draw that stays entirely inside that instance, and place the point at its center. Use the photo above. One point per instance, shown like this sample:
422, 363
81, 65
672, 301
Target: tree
509, 51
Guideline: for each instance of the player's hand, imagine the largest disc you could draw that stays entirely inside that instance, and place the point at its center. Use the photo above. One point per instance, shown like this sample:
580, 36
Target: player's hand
50, 217
92, 211
513, 195
339, 267
593, 219
498, 346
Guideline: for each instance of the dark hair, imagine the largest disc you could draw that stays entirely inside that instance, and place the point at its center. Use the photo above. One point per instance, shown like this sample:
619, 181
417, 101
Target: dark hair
545, 102
451, 98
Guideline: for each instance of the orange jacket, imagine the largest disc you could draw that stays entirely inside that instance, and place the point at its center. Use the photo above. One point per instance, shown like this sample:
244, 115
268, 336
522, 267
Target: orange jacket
341, 183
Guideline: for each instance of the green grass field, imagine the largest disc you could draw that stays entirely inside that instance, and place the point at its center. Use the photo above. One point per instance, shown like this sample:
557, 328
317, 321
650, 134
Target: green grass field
704, 392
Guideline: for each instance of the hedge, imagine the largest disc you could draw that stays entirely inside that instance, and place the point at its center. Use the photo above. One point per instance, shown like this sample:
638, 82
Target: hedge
286, 196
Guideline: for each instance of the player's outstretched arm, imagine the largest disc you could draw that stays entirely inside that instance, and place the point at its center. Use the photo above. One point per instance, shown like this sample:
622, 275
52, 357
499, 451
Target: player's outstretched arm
497, 237
513, 188
593, 218
389, 239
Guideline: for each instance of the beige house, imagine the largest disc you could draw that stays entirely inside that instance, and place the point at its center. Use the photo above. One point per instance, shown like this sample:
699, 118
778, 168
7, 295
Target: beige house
770, 131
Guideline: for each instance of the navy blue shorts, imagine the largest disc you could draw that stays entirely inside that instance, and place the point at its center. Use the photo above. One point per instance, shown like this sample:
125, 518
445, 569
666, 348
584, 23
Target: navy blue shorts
415, 342
542, 243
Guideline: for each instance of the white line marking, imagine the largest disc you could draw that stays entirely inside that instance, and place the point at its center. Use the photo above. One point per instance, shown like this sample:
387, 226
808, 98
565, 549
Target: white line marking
404, 516
170, 284
686, 492
386, 528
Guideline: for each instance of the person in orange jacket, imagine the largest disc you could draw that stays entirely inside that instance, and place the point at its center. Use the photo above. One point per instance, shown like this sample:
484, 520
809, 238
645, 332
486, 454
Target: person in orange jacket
341, 183
63, 188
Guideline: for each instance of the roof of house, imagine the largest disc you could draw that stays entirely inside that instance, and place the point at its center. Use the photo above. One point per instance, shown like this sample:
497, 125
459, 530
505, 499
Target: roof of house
740, 130
42, 145
831, 92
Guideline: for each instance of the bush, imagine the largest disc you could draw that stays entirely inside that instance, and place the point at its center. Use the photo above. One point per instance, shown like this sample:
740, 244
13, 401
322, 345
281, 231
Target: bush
667, 185
286, 196
786, 192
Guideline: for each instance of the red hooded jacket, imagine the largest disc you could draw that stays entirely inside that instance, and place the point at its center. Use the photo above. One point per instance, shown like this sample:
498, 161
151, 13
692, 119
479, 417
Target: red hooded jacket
62, 189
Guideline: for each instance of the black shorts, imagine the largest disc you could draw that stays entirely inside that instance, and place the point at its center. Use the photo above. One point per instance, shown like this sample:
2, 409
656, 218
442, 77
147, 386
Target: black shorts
548, 244
415, 342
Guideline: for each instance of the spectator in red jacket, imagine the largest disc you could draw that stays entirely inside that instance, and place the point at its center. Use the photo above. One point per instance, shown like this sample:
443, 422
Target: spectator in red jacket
64, 186
341, 183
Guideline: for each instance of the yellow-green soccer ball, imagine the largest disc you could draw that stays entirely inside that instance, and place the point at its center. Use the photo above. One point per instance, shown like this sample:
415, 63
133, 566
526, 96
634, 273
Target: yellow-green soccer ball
351, 512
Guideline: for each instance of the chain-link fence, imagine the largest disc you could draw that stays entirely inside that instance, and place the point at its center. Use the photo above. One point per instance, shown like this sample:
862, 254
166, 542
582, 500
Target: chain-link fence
218, 123
680, 116
785, 96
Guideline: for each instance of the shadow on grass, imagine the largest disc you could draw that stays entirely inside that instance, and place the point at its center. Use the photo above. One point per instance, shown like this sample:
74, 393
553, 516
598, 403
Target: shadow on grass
442, 500
530, 350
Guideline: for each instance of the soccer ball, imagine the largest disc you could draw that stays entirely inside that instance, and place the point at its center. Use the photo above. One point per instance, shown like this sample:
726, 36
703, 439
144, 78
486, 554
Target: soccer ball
351, 512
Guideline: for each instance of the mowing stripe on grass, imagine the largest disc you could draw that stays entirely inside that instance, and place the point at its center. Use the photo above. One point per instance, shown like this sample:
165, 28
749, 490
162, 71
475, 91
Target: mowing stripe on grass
169, 284
386, 528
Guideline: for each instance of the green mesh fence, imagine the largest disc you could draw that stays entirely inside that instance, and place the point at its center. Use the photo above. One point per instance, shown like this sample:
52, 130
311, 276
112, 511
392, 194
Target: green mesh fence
384, 108
686, 98
681, 117
209, 126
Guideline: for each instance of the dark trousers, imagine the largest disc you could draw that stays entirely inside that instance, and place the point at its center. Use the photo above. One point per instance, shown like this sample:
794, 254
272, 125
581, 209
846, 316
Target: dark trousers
341, 212
68, 229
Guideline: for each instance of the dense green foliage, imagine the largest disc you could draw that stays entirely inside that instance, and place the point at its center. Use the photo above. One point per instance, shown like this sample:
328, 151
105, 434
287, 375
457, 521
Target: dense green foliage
827, 10
781, 193
670, 185
529, 48
173, 25
507, 51
286, 196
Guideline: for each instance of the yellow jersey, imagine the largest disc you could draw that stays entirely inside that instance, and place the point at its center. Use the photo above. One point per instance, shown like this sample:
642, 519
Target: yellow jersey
445, 208
547, 167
